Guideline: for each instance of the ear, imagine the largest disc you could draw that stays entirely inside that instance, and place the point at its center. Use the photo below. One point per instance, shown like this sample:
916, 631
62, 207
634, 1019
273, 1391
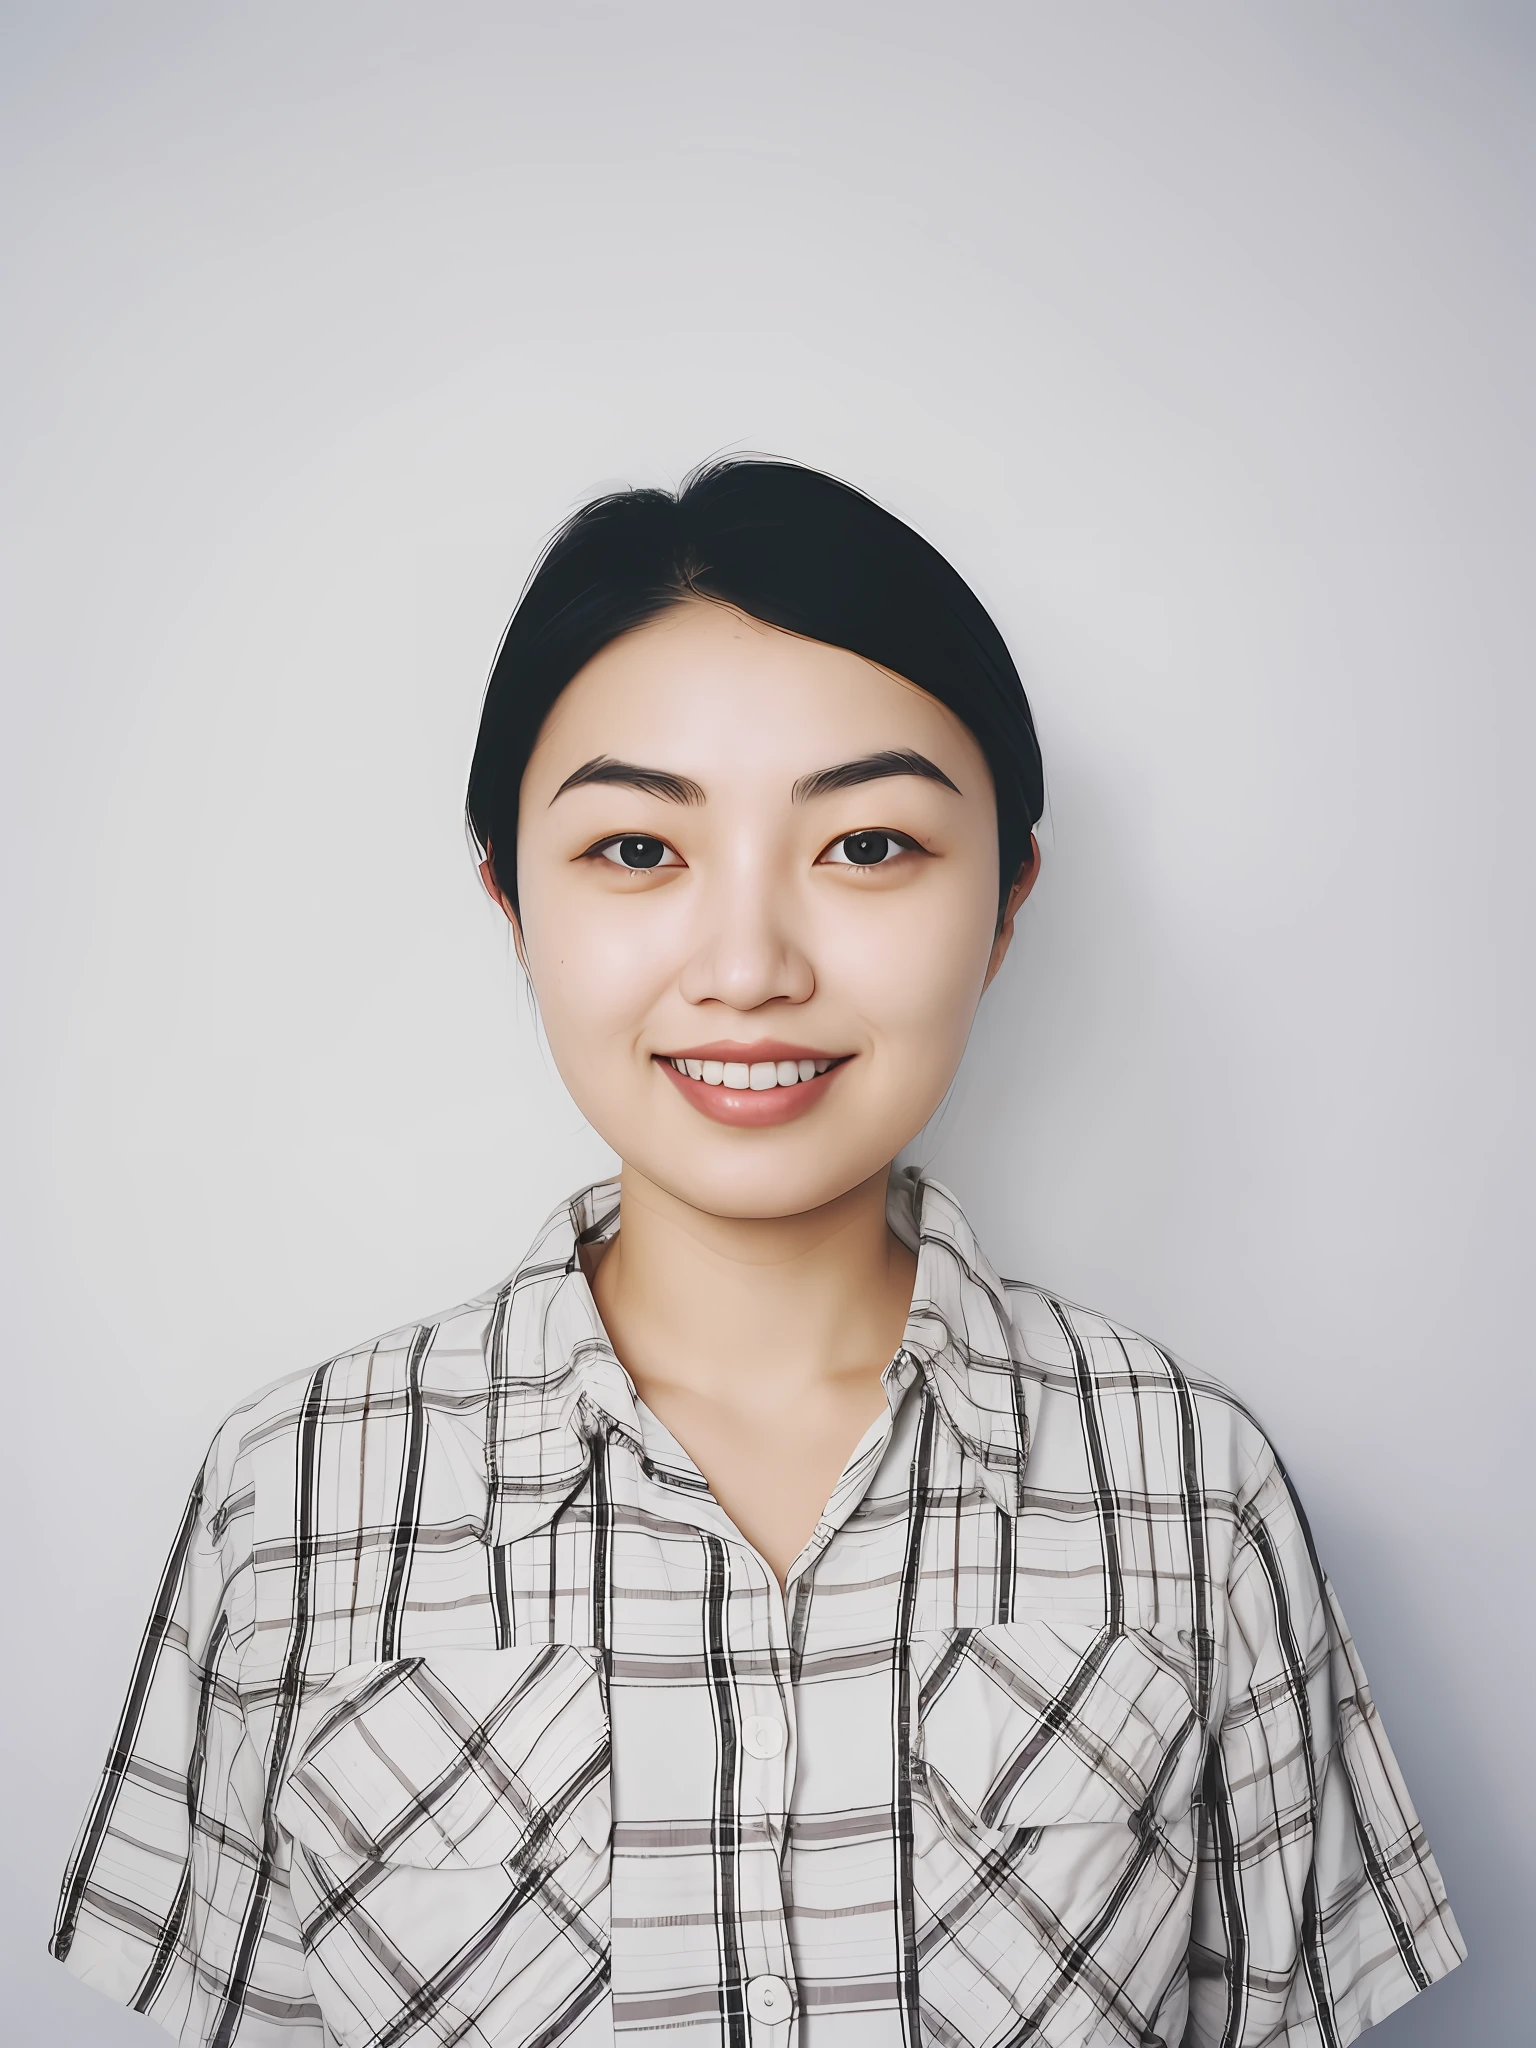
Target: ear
489, 884
1023, 882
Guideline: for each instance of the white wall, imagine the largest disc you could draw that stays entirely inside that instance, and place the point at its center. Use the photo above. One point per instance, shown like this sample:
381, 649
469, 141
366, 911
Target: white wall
1200, 337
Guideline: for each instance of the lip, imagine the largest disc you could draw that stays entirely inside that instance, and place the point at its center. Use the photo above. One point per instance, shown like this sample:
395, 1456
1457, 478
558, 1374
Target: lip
761, 1049
751, 1108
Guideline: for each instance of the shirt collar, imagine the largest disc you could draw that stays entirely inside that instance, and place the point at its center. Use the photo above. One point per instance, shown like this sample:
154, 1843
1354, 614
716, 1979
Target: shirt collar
556, 1385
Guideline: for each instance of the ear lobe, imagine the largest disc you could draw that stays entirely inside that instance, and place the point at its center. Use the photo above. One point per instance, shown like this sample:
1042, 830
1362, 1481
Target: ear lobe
492, 889
1023, 882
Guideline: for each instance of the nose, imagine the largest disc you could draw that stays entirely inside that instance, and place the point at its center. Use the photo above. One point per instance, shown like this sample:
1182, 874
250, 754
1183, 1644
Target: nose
747, 949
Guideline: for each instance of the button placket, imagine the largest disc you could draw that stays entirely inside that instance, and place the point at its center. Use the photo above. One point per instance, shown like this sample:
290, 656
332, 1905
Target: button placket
765, 1734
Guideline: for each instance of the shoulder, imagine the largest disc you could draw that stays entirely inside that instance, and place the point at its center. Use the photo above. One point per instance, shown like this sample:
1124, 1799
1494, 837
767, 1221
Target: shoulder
1164, 1469
303, 1427
1159, 1423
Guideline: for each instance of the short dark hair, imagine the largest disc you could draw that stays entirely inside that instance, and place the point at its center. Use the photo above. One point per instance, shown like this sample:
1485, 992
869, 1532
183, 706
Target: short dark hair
786, 545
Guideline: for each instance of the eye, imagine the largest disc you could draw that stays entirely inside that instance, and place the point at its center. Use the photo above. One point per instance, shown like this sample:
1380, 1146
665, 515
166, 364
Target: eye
637, 852
868, 849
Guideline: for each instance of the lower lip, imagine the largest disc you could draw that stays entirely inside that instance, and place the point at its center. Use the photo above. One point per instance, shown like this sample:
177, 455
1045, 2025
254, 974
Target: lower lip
751, 1108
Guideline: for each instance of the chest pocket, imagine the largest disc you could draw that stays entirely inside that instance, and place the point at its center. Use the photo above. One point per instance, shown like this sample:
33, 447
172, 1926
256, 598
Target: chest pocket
1054, 1768
450, 1818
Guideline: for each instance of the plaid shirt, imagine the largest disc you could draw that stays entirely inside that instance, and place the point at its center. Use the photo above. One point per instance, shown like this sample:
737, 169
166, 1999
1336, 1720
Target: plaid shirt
465, 1715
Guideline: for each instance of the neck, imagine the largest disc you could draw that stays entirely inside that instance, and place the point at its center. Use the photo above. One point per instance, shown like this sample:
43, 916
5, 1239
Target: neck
721, 1305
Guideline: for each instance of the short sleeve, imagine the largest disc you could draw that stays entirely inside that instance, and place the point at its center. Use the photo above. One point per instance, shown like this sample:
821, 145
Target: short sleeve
1318, 1909
172, 1901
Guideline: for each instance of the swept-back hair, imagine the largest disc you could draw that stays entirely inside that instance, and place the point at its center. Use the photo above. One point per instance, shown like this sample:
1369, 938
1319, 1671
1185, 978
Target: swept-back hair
788, 546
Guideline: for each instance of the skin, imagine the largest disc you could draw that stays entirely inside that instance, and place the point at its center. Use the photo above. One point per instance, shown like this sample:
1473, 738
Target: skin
756, 1216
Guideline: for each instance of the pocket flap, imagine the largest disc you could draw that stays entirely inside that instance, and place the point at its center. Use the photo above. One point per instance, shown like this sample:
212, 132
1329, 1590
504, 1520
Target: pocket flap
458, 1760
1032, 1723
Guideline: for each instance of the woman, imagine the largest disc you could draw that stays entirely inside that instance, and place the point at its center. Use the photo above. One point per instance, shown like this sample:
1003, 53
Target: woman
758, 1622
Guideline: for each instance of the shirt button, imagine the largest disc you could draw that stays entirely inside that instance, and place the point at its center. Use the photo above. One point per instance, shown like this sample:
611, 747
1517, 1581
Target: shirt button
768, 1999
764, 1737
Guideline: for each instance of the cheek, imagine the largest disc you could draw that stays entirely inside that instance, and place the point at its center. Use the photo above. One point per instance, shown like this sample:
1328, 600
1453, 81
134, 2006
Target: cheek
916, 974
596, 960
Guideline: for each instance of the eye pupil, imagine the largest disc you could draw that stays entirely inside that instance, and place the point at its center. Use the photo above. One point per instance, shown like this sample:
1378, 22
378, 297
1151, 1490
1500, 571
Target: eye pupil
636, 852
866, 849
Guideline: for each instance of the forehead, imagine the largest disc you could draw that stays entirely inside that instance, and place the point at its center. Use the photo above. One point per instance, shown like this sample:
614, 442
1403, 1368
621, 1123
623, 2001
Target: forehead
709, 682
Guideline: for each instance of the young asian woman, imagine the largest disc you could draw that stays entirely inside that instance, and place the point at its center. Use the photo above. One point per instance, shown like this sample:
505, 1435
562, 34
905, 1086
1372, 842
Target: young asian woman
753, 1620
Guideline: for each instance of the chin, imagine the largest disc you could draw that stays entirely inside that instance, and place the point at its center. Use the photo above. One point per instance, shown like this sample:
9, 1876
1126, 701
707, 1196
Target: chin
756, 1186
758, 1175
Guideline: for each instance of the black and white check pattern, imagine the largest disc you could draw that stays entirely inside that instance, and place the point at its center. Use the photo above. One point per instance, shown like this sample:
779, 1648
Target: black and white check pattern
465, 1715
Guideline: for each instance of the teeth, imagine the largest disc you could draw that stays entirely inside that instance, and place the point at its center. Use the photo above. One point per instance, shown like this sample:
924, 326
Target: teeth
759, 1075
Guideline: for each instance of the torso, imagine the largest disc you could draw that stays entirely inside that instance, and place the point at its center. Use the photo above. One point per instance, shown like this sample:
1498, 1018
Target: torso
505, 1726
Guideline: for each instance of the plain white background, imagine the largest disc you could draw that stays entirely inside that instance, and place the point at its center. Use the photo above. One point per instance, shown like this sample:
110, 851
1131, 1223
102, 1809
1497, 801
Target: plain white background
1199, 337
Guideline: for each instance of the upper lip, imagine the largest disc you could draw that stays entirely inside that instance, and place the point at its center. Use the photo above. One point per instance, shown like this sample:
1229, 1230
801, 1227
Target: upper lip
725, 1049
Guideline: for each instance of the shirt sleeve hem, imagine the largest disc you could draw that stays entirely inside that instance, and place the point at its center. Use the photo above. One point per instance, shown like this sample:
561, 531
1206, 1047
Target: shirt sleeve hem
118, 1974
1438, 1956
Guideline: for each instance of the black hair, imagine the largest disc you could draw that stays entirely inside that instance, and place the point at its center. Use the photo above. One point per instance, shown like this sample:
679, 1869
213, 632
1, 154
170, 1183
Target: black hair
788, 546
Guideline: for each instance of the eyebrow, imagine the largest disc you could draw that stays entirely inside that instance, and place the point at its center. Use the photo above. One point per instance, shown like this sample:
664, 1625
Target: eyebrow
681, 789
870, 768
672, 789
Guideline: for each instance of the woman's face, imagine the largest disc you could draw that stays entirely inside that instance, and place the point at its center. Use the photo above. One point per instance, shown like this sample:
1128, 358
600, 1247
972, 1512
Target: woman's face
757, 950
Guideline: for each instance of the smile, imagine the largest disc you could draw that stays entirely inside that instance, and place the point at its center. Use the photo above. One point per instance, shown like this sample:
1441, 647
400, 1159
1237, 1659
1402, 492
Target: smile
756, 1074
782, 1082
